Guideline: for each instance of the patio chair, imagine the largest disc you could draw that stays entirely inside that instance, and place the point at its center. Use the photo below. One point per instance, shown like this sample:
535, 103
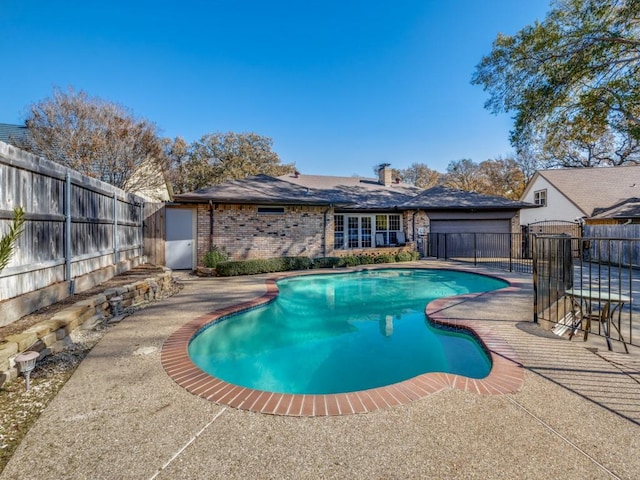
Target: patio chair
401, 239
380, 240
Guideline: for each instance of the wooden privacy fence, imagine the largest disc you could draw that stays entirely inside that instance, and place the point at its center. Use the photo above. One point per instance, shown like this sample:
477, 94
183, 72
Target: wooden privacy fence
75, 225
628, 253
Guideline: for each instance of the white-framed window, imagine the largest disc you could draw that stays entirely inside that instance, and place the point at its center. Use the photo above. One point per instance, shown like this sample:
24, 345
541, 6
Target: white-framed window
338, 232
354, 230
540, 197
388, 226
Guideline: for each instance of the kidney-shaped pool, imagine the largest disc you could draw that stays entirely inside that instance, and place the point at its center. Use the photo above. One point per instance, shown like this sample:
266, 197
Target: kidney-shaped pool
336, 333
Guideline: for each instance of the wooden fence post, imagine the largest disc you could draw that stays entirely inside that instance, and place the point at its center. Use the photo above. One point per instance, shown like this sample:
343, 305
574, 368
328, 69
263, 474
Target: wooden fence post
67, 237
115, 230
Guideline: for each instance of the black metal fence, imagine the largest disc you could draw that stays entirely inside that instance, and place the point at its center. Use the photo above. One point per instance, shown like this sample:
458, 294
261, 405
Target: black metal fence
586, 286
582, 285
506, 251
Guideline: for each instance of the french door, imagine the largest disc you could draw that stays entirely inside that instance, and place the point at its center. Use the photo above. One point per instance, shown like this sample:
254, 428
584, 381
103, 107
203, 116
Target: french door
359, 231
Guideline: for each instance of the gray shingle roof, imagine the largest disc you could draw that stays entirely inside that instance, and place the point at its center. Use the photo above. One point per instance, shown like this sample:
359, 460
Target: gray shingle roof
629, 208
14, 134
356, 192
594, 189
259, 189
348, 193
444, 198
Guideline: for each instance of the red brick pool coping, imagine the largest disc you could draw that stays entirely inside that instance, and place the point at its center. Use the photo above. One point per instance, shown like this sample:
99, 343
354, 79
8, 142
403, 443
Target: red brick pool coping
506, 375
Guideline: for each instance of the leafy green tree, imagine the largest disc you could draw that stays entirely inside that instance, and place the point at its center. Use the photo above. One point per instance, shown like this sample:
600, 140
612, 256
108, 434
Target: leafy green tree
221, 157
8, 241
97, 138
581, 143
420, 175
572, 82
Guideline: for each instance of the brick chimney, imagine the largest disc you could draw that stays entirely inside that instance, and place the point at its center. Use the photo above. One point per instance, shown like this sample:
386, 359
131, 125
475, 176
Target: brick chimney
384, 174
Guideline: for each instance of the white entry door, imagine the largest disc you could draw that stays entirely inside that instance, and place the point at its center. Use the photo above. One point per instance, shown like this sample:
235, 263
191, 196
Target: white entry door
179, 242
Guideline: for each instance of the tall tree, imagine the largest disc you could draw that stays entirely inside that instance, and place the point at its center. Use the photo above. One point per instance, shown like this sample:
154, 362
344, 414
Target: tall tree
580, 143
221, 157
176, 153
420, 175
572, 82
97, 138
464, 174
502, 177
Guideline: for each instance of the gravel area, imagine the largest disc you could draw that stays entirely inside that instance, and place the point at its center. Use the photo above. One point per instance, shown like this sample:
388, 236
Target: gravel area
19, 408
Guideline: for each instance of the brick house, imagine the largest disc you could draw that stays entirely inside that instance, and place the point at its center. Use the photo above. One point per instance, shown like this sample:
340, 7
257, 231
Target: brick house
318, 216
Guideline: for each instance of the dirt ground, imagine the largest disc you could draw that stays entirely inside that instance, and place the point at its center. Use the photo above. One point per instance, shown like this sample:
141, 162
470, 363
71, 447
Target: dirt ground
135, 274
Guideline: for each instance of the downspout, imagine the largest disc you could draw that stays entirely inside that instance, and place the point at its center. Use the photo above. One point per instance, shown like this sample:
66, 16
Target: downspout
210, 225
413, 226
324, 233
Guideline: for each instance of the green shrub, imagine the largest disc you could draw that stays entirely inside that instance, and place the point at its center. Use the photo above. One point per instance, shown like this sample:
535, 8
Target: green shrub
297, 263
283, 264
365, 260
351, 261
328, 262
262, 265
214, 256
385, 258
404, 257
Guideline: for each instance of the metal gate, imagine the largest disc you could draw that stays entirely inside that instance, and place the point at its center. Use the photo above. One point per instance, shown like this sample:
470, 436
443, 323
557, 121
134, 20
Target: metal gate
547, 227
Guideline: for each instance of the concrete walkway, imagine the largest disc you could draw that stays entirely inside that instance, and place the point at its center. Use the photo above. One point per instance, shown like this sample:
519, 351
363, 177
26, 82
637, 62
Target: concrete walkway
120, 416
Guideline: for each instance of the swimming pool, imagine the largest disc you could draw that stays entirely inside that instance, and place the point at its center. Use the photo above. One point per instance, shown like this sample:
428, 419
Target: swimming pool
336, 333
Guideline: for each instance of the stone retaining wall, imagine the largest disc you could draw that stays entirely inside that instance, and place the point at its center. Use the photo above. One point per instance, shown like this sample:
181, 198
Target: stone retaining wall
52, 335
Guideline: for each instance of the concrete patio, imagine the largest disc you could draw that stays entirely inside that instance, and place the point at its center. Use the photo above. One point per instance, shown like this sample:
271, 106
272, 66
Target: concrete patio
577, 415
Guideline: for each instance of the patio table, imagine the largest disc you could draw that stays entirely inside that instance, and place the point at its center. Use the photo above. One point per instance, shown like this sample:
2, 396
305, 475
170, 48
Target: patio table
582, 302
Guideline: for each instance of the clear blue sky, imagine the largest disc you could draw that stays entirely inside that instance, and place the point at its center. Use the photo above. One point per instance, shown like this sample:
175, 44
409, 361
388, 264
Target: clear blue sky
338, 85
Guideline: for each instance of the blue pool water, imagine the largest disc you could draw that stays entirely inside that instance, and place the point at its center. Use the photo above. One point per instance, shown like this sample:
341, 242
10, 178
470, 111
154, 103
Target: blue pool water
344, 332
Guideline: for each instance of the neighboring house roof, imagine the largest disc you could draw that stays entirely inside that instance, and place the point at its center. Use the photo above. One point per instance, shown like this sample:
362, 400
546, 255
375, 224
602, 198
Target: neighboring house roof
15, 135
259, 189
356, 192
444, 198
593, 190
629, 208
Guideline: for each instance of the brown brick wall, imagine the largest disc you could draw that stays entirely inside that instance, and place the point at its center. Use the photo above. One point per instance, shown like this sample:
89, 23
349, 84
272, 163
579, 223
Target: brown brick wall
246, 234
412, 223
